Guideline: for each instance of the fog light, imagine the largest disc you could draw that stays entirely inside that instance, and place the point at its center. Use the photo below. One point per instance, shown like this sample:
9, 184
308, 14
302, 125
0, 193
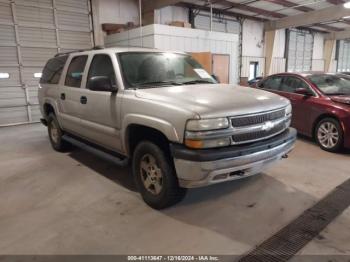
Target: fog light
221, 176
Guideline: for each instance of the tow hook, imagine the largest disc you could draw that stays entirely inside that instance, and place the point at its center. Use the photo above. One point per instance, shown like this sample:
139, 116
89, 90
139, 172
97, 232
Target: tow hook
285, 156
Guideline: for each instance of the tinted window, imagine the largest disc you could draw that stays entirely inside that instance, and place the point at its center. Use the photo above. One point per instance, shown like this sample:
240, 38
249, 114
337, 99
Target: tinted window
272, 83
332, 84
101, 65
75, 71
53, 70
290, 84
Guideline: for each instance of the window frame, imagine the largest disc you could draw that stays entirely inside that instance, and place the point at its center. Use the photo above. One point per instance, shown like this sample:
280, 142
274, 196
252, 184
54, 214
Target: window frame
63, 70
68, 63
270, 77
91, 60
124, 80
301, 79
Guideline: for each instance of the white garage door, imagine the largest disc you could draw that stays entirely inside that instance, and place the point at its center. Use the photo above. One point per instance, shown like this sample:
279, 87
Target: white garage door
32, 31
343, 56
299, 51
224, 25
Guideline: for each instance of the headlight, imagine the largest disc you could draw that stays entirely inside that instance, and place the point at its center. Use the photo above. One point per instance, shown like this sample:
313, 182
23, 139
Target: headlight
288, 115
208, 133
289, 110
207, 124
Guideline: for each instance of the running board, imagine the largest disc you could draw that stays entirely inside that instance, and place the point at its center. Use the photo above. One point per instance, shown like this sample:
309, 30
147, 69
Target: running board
100, 153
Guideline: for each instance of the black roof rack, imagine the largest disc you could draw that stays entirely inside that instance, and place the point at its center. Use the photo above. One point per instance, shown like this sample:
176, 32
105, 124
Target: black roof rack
80, 50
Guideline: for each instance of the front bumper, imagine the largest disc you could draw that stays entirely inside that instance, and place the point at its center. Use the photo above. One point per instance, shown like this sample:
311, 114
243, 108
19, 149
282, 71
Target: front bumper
196, 168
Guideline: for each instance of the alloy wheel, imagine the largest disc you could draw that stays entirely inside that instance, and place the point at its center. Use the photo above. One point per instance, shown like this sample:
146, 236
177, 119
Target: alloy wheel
151, 174
54, 133
328, 135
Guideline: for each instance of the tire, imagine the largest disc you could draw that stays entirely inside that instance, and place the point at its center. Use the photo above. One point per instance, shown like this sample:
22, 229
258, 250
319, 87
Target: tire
155, 176
55, 134
329, 135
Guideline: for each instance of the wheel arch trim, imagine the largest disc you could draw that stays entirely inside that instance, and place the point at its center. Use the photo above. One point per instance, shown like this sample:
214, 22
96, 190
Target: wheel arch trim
161, 125
323, 116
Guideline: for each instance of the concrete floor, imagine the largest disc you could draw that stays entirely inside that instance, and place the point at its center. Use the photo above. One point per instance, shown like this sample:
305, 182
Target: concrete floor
73, 203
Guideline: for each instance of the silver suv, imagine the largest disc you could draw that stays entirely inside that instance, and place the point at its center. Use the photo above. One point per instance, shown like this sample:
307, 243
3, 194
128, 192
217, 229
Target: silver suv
163, 113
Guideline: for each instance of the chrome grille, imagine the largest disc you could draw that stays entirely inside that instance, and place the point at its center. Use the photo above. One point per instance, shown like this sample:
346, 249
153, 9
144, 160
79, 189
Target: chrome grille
257, 135
257, 119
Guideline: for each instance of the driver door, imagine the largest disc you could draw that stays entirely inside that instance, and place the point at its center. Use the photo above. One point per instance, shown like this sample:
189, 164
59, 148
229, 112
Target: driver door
303, 106
101, 114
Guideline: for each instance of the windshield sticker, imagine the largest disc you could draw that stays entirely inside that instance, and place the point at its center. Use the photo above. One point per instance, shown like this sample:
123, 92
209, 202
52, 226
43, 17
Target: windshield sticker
202, 73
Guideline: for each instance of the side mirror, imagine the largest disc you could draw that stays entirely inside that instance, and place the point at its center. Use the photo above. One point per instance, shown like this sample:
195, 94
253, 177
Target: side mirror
303, 91
101, 83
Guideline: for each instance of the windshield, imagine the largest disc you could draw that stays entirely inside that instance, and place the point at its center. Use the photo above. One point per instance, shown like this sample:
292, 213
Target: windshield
152, 69
332, 84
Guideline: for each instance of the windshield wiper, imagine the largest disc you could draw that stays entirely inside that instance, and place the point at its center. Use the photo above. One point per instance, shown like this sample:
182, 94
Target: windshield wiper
198, 81
150, 83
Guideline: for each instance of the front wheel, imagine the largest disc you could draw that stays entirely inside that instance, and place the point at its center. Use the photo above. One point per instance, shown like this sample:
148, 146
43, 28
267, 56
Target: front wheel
55, 134
329, 135
155, 177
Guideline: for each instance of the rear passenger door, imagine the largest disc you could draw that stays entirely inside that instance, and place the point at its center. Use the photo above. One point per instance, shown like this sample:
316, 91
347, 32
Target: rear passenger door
101, 110
70, 93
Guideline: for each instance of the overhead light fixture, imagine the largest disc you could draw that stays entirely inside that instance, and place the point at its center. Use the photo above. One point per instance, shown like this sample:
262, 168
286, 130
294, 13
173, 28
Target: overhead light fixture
347, 5
4, 75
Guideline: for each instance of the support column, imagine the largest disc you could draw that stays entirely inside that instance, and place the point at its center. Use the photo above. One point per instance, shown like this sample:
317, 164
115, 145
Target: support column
329, 46
98, 33
269, 50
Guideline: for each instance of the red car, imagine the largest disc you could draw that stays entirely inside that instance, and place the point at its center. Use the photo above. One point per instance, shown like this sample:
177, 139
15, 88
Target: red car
321, 105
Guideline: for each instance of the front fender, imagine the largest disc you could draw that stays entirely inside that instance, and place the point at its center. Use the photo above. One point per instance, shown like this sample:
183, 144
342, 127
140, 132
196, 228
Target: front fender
161, 125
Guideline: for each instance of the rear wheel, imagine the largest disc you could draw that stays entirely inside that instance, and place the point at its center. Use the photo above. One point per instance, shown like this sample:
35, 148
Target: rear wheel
55, 134
329, 135
155, 177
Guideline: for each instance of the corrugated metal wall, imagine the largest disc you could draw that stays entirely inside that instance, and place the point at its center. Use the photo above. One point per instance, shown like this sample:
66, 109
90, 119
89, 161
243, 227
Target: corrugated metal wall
343, 56
278, 65
299, 56
32, 31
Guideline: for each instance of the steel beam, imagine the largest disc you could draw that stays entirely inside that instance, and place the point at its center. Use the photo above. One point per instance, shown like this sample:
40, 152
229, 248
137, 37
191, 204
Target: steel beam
336, 2
220, 11
338, 35
259, 11
311, 18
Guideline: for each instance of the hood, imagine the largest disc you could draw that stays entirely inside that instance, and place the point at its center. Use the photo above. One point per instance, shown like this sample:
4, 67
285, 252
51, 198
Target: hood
215, 100
341, 99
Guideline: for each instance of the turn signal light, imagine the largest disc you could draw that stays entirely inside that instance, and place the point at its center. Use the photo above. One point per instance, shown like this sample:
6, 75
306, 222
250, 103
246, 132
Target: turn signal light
194, 143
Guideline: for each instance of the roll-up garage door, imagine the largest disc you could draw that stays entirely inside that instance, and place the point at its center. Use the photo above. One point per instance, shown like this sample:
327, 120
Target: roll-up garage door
343, 52
222, 24
32, 31
299, 50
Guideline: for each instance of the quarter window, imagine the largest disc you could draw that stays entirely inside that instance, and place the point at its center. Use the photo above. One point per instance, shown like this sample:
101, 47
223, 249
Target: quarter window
101, 65
53, 70
75, 71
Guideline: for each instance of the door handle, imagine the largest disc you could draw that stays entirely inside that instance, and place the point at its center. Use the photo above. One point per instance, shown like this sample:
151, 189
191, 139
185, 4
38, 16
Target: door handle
83, 100
63, 96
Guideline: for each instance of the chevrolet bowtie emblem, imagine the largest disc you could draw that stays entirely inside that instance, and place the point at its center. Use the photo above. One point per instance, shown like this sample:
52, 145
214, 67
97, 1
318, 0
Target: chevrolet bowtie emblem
267, 126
